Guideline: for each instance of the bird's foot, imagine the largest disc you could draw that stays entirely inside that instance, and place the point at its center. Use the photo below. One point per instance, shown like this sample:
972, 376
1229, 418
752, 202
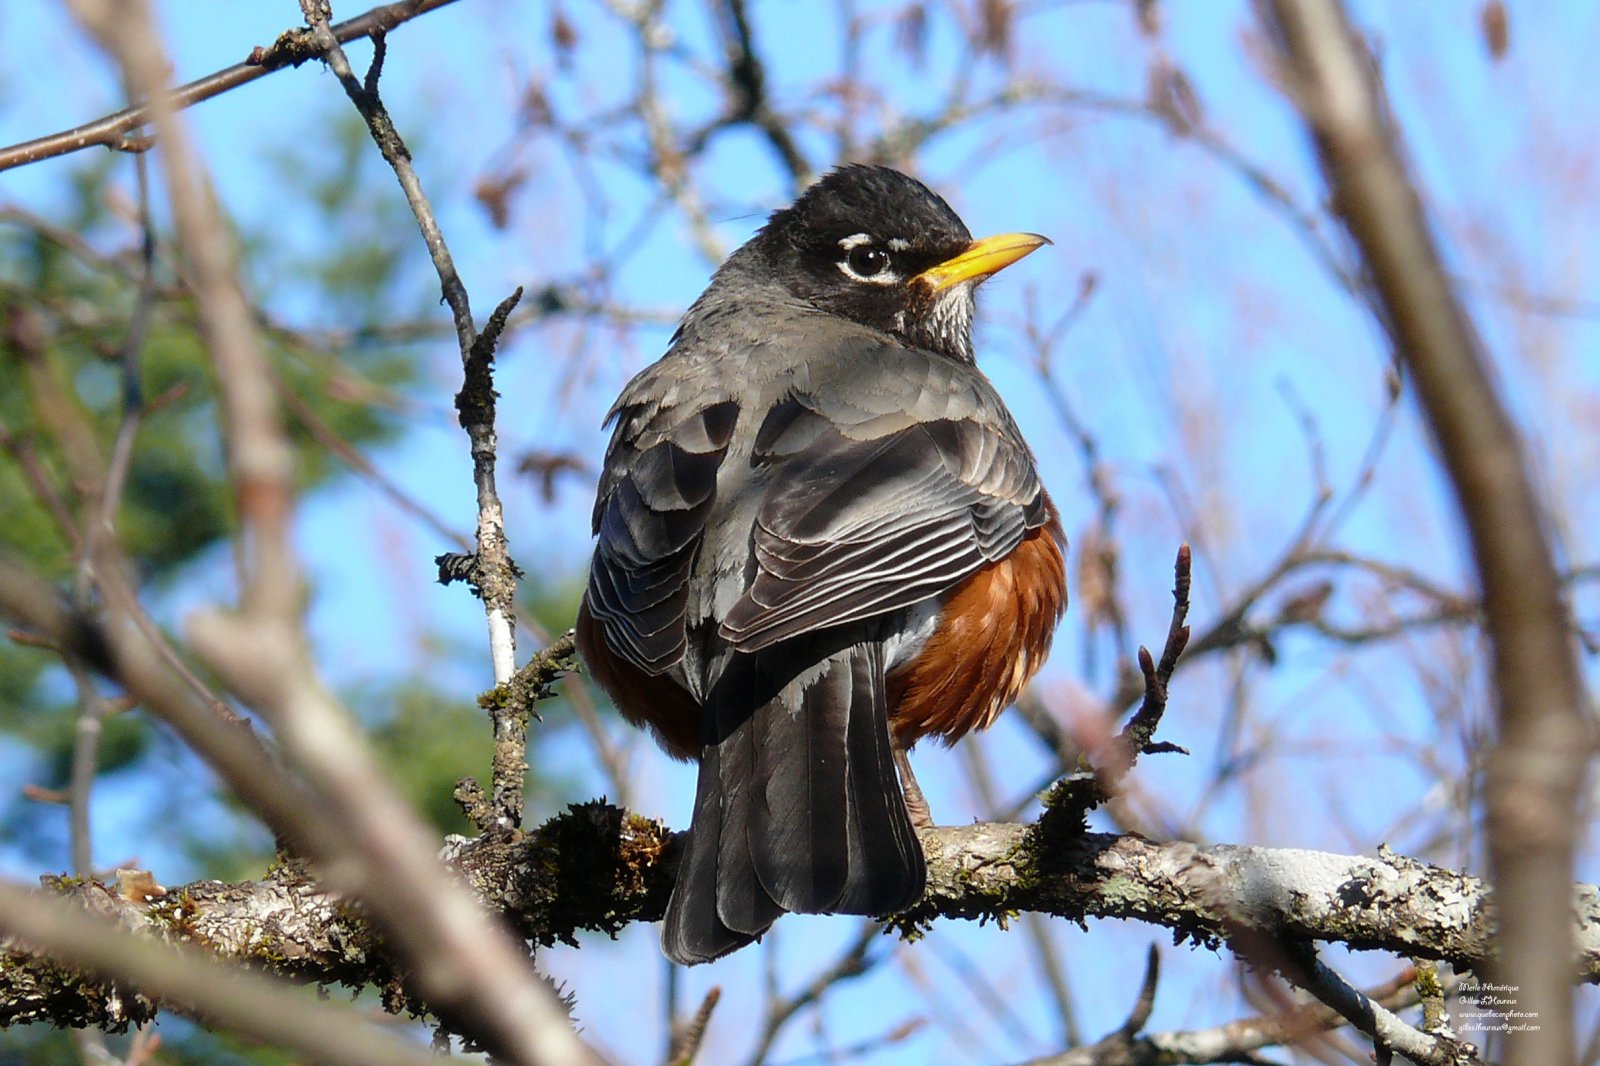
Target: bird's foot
916, 802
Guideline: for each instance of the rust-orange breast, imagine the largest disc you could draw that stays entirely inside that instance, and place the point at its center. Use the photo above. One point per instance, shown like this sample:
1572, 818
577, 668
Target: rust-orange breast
993, 634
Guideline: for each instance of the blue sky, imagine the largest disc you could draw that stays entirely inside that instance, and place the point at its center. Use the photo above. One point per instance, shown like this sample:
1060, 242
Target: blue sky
1211, 330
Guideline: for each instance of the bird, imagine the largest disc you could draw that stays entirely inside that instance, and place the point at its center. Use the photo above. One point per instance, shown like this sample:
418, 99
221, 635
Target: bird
820, 537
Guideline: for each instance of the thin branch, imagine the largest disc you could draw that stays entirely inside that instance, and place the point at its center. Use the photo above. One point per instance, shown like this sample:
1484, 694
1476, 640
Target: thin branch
747, 85
33, 469
99, 533
86, 734
493, 574
290, 50
510, 706
1135, 738
1232, 1042
1069, 800
102, 525
1385, 1027
686, 1040
850, 964
667, 162
363, 467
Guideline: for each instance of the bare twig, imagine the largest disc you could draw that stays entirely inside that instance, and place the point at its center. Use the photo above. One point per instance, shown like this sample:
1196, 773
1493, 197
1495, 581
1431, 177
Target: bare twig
493, 574
38, 479
510, 706
668, 160
85, 762
1071, 798
685, 1044
329, 438
291, 49
1136, 736
851, 963
102, 525
747, 86
99, 533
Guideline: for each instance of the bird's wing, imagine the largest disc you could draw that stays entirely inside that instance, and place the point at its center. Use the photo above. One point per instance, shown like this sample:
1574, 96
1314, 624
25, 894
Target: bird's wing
872, 506
656, 493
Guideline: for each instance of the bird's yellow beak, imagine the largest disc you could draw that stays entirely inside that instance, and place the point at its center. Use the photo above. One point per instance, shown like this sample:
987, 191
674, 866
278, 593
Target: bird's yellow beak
984, 257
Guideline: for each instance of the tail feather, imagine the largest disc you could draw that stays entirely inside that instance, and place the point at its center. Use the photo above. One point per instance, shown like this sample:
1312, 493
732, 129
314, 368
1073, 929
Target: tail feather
797, 808
799, 833
884, 846
694, 930
743, 904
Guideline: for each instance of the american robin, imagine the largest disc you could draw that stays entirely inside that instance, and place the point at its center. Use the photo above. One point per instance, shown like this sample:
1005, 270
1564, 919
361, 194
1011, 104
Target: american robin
821, 537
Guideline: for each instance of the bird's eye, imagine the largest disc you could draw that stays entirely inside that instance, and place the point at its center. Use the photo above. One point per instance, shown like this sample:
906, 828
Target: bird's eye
865, 260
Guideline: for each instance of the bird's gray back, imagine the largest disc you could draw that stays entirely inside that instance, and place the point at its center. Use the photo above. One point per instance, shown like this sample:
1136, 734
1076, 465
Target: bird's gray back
744, 359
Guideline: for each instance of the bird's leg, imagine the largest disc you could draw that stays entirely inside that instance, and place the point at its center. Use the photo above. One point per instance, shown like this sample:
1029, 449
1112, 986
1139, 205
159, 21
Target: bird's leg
916, 803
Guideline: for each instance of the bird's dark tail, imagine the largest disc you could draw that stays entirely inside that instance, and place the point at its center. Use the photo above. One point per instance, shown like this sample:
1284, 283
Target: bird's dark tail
798, 808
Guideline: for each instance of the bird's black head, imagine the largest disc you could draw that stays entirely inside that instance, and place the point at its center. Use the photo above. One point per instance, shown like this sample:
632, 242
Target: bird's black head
881, 248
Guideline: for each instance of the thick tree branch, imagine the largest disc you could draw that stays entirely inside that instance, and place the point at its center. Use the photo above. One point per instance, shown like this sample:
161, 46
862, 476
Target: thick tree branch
133, 975
599, 868
1536, 769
